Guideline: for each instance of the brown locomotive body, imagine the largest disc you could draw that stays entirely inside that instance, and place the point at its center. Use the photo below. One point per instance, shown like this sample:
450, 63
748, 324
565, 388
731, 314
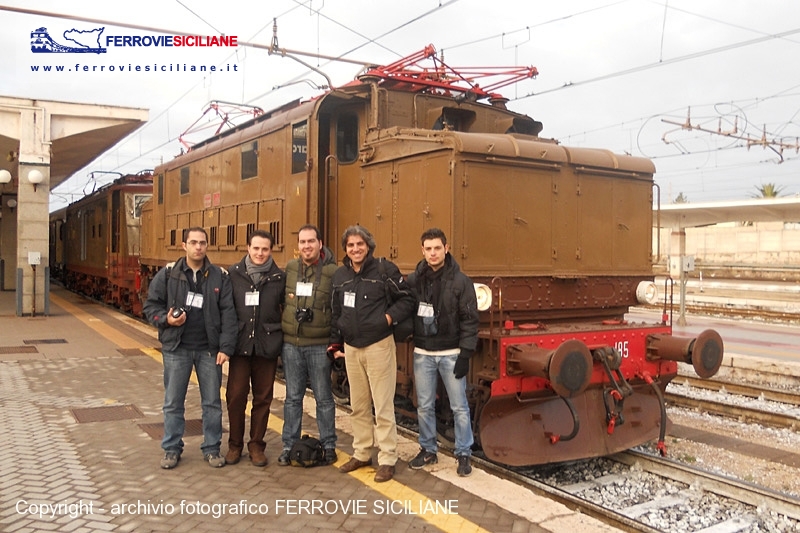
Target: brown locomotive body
558, 240
96, 242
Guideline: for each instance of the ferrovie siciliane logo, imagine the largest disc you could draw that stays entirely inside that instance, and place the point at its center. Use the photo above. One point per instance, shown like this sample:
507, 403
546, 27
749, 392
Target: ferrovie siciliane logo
92, 41
82, 41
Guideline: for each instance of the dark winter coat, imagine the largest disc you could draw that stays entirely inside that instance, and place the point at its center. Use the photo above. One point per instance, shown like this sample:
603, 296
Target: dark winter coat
365, 324
169, 289
455, 308
259, 326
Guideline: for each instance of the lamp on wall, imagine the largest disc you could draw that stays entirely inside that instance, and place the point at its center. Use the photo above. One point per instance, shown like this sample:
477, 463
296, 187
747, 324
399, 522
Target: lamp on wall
5, 177
11, 203
35, 177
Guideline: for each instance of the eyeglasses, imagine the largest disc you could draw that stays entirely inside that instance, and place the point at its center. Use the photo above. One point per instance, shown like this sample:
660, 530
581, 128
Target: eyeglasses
197, 243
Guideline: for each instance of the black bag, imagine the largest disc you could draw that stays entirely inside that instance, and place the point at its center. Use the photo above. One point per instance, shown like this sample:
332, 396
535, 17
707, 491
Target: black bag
307, 452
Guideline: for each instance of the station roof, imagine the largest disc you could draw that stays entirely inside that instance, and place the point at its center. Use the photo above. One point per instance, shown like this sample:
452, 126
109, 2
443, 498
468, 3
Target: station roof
704, 214
77, 132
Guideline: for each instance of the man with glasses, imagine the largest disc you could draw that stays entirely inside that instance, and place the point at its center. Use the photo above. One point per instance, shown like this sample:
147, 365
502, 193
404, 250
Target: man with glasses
191, 303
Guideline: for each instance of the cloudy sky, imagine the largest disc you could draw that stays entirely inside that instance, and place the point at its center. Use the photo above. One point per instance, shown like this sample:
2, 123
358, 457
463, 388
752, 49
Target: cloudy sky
617, 74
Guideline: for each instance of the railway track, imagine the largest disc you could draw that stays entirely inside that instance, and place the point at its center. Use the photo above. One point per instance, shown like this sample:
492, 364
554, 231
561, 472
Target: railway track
636, 491
742, 401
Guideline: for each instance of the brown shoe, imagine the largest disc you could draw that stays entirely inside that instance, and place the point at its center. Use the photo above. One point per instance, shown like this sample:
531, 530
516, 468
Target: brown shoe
384, 473
233, 456
354, 464
257, 456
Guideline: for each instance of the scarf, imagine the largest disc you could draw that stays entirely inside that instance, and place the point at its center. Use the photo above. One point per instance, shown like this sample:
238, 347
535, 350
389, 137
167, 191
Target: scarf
256, 272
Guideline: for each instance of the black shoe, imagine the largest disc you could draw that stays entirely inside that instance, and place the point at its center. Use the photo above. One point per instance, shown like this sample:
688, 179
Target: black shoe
464, 468
422, 459
283, 458
330, 456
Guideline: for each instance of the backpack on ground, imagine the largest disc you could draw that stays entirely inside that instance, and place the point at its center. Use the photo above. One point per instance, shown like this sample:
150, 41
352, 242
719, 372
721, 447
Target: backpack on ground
307, 452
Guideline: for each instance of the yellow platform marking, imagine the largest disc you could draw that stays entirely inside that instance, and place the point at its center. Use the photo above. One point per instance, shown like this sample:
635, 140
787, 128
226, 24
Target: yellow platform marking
107, 331
409, 500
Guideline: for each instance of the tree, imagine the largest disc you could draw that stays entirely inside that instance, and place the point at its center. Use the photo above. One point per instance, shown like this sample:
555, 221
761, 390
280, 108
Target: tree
681, 199
768, 190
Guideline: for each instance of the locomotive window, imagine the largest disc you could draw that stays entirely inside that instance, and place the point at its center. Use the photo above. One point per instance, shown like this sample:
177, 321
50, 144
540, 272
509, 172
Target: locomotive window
138, 201
213, 236
173, 234
299, 147
160, 181
250, 160
185, 180
347, 138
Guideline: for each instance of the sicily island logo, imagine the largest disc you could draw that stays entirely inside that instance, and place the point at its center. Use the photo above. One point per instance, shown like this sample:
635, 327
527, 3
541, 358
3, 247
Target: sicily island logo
82, 41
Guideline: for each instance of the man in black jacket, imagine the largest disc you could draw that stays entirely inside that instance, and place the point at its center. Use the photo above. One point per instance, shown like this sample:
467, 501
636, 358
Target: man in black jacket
191, 303
367, 300
257, 294
445, 337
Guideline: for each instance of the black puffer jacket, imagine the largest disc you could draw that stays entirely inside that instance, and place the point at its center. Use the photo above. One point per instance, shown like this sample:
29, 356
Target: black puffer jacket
457, 313
169, 289
365, 322
259, 327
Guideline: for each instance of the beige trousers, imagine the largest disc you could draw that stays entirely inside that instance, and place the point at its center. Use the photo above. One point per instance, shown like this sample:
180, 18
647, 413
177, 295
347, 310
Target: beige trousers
372, 373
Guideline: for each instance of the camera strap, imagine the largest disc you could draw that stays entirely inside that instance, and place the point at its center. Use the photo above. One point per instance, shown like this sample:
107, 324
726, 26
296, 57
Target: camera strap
317, 279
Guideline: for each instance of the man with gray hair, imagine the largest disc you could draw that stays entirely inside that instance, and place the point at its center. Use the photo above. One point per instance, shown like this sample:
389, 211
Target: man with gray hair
369, 296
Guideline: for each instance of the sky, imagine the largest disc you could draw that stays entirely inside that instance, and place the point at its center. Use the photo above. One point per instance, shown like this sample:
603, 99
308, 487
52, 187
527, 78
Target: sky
647, 78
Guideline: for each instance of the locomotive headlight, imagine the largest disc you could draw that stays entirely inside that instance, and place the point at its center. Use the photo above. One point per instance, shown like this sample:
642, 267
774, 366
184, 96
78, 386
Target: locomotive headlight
647, 293
484, 294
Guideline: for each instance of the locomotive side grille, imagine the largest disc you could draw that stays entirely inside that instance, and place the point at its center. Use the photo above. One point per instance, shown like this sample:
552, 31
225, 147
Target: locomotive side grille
275, 229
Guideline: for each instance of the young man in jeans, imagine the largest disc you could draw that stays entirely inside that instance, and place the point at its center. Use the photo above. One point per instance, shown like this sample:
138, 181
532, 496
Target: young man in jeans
306, 324
445, 337
191, 304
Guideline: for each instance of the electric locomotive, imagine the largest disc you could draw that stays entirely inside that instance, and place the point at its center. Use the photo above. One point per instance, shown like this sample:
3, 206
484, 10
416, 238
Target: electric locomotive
558, 241
95, 242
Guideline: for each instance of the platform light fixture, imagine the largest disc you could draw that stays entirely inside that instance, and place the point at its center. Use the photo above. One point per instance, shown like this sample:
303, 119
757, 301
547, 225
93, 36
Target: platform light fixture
35, 177
5, 177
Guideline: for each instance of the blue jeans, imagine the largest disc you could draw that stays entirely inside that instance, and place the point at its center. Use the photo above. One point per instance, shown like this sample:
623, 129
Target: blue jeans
177, 371
300, 365
427, 368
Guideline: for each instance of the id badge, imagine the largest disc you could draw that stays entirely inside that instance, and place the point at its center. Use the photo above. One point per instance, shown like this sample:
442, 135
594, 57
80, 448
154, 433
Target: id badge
425, 309
349, 299
251, 298
304, 288
194, 299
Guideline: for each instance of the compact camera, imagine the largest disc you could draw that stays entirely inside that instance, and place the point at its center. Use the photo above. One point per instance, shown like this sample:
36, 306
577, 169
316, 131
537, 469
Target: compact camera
304, 315
178, 311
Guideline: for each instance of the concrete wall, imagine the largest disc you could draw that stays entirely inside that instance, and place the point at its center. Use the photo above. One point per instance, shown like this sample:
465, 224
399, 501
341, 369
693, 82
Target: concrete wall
769, 250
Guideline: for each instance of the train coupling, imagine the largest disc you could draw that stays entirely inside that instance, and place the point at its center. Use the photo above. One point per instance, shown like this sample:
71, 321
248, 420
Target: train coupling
568, 368
703, 352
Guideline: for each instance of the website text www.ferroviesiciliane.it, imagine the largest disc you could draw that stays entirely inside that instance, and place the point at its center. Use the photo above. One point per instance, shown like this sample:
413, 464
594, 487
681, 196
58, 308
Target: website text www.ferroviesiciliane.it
137, 67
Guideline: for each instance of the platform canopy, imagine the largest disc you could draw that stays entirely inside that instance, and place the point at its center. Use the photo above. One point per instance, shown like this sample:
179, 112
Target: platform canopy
705, 214
78, 133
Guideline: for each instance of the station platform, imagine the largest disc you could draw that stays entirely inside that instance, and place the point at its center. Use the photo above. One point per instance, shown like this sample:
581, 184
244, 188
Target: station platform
81, 392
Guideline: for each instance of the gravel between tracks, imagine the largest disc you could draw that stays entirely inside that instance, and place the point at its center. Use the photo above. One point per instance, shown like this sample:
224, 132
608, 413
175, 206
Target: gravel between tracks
776, 476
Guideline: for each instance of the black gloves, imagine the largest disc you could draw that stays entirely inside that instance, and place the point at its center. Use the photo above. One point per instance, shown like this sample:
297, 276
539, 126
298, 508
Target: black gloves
462, 364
